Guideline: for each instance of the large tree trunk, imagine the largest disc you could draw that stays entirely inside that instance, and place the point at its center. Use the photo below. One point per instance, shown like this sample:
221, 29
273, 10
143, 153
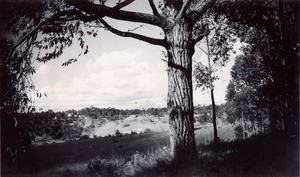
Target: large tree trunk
180, 93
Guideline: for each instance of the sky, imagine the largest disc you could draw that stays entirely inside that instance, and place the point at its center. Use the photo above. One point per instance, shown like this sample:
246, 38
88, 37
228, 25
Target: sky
118, 72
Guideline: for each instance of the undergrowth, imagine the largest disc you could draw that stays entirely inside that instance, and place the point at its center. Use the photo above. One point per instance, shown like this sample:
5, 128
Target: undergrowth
132, 165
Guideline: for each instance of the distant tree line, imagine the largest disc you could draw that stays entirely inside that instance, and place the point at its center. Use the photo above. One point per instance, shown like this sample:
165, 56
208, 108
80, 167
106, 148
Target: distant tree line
111, 113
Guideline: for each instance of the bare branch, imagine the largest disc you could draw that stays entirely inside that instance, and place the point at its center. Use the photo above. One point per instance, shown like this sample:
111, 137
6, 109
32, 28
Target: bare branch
104, 11
183, 9
175, 66
154, 41
136, 28
202, 50
152, 5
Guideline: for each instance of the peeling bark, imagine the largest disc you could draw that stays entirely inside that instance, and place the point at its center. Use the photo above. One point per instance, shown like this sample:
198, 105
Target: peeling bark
180, 91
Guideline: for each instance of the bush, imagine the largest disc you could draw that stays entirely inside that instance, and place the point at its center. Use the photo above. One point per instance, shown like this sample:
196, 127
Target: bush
133, 133
84, 137
148, 130
118, 133
106, 166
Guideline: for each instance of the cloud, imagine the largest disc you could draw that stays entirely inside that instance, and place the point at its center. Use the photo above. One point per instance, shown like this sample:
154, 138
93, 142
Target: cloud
121, 79
43, 70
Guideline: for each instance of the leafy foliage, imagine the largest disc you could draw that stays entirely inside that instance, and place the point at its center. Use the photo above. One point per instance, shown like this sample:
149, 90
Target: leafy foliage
271, 29
202, 75
219, 44
17, 44
246, 93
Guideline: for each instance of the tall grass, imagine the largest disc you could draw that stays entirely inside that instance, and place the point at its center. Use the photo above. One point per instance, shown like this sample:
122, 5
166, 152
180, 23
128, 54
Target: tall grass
132, 165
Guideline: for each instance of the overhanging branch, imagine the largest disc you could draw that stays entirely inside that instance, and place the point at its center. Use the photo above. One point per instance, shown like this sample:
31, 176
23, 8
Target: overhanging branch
56, 16
154, 41
104, 11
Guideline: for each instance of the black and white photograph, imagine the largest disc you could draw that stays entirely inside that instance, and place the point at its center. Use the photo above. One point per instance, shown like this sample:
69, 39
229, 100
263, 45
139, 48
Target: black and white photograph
151, 88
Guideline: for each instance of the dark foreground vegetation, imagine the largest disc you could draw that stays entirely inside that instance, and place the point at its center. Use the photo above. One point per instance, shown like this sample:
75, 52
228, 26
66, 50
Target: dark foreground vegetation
148, 155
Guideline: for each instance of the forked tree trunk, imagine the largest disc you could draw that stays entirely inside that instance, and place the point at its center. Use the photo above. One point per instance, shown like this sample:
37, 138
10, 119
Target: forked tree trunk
180, 93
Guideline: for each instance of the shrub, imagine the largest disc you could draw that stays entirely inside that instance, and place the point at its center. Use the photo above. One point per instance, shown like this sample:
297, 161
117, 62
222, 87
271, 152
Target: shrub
157, 161
84, 137
118, 133
106, 166
148, 130
133, 133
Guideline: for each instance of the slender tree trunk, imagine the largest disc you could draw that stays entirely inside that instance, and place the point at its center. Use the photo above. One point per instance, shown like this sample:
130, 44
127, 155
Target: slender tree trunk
214, 115
244, 128
214, 118
180, 91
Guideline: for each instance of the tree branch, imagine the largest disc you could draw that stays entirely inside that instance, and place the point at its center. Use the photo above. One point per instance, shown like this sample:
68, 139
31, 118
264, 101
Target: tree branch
152, 5
159, 42
103, 11
176, 66
120, 5
183, 9
198, 13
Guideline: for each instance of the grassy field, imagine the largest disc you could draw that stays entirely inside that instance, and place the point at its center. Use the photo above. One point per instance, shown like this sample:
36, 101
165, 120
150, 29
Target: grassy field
54, 155
147, 154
